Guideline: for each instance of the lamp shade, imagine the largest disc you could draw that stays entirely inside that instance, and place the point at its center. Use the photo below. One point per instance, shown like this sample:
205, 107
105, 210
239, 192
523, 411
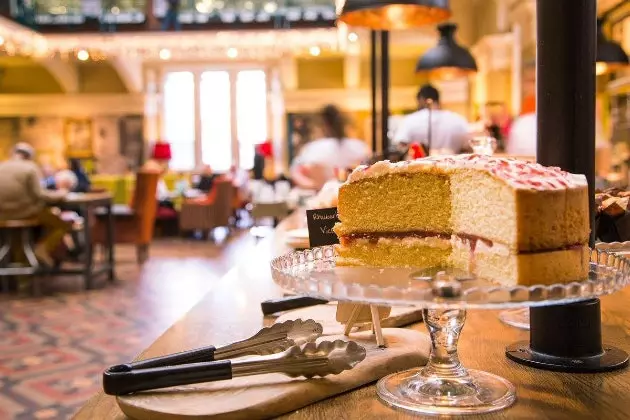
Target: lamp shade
161, 151
265, 149
385, 15
447, 59
610, 55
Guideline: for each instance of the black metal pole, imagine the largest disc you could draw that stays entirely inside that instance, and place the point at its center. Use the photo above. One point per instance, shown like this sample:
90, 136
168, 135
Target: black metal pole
384, 91
373, 88
565, 93
567, 337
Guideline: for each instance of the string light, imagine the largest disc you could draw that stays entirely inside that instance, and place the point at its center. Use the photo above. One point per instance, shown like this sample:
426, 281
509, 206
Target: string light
270, 7
255, 45
83, 55
165, 54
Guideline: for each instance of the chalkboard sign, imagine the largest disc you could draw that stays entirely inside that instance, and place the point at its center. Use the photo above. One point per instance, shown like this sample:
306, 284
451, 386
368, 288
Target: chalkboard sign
320, 223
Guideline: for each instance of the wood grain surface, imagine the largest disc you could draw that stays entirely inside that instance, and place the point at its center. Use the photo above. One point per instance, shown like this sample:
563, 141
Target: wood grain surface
231, 311
262, 396
325, 315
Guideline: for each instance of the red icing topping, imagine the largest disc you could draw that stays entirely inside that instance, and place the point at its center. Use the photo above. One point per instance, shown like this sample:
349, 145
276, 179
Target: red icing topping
519, 174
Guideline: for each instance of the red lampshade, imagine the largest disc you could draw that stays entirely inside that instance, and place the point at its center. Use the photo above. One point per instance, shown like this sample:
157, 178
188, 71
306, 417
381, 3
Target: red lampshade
266, 149
161, 151
416, 151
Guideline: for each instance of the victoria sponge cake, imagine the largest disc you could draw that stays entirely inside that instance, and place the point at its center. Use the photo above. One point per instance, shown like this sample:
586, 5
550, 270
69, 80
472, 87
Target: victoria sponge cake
506, 220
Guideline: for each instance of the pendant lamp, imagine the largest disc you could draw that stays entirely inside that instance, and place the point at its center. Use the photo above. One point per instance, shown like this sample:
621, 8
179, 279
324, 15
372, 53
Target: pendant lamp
610, 55
385, 15
447, 60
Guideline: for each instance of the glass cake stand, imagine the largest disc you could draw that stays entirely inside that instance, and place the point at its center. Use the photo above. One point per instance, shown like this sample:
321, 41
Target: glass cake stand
443, 386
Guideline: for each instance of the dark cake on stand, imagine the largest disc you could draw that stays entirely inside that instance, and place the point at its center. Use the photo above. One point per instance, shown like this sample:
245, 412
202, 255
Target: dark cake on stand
612, 220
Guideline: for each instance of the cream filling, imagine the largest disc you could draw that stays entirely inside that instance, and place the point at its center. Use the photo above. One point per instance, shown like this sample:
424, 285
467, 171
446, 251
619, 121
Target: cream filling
482, 247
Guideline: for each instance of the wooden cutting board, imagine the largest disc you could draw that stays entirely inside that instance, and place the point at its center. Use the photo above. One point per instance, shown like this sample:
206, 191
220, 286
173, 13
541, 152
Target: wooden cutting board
270, 395
400, 316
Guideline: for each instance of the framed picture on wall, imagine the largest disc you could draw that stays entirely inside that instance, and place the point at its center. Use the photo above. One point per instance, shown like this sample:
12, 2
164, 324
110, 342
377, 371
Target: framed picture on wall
132, 140
79, 138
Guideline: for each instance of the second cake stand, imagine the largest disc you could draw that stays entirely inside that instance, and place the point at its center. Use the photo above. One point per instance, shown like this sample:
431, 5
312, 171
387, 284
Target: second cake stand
443, 386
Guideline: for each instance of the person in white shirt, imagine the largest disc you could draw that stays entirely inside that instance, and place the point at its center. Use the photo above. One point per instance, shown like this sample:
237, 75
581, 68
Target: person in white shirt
317, 160
523, 136
447, 133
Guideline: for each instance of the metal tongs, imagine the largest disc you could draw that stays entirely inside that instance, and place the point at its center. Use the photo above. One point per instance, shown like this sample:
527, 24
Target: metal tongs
210, 364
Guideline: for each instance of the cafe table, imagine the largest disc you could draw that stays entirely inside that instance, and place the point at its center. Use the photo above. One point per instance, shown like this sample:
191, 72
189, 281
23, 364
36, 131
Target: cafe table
87, 204
231, 311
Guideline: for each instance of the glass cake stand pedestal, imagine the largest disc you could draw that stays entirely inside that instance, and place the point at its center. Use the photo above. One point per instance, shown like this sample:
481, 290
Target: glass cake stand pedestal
444, 385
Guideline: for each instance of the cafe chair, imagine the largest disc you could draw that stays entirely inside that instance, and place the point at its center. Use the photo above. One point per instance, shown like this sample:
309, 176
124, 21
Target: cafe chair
134, 224
17, 257
210, 211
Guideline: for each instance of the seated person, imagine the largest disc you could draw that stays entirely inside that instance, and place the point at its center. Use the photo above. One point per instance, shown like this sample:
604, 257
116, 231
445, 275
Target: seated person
163, 195
22, 197
83, 183
206, 179
48, 180
67, 180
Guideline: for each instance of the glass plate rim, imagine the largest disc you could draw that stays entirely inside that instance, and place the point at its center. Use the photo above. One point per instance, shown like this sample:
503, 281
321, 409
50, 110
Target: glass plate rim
616, 276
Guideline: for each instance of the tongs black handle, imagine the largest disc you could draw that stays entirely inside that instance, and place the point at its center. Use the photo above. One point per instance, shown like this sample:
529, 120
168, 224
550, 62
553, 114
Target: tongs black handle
203, 354
123, 379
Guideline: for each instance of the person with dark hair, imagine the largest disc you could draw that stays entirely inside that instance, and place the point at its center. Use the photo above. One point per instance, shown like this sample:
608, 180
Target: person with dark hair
319, 159
438, 130
171, 19
83, 181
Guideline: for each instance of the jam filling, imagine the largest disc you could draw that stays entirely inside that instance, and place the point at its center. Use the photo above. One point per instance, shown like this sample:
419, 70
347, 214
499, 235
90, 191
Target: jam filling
472, 240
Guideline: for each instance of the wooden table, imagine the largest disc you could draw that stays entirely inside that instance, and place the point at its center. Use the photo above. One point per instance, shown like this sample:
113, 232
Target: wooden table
231, 311
87, 203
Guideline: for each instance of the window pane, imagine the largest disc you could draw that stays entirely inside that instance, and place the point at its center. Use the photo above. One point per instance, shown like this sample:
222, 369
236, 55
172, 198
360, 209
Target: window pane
179, 118
251, 113
216, 130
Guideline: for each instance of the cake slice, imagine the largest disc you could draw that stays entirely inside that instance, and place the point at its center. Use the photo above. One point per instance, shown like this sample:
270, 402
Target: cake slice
505, 220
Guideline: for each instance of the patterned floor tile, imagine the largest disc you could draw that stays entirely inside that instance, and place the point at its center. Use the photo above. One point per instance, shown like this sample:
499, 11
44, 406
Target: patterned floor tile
53, 349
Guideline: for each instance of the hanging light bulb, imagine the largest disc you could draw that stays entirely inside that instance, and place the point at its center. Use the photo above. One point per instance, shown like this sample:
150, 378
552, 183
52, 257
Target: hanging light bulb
165, 54
386, 15
447, 60
83, 55
610, 55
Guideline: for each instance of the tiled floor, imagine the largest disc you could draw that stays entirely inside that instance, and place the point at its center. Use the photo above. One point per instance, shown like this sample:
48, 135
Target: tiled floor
54, 348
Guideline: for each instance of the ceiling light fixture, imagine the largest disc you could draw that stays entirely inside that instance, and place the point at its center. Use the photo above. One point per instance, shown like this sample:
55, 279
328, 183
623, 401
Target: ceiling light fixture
314, 51
83, 55
353, 37
447, 60
610, 55
232, 52
386, 15
165, 54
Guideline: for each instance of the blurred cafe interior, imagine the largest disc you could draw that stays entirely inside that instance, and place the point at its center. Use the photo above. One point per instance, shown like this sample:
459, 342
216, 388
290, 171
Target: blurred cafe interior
156, 154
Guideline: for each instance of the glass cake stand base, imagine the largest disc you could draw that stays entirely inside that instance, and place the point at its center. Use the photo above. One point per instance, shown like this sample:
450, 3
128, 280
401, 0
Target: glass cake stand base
444, 386
517, 318
419, 392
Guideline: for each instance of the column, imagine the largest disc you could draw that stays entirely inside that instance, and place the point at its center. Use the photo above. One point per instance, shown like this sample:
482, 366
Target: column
517, 70
565, 90
352, 66
234, 120
151, 106
198, 127
288, 73
275, 101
